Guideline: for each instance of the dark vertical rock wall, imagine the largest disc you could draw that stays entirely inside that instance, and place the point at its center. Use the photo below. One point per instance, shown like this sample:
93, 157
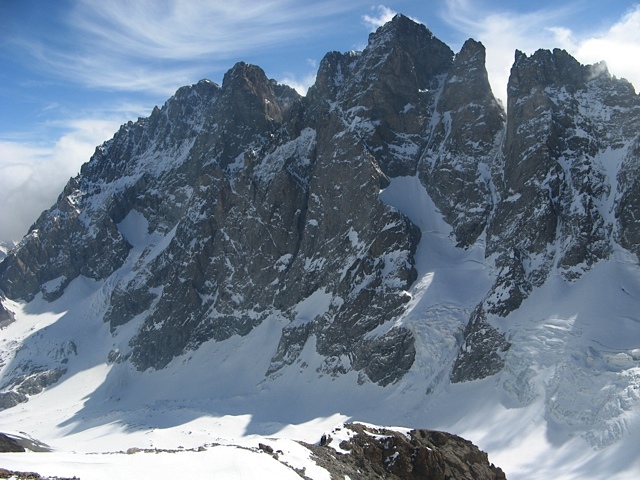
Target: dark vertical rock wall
570, 165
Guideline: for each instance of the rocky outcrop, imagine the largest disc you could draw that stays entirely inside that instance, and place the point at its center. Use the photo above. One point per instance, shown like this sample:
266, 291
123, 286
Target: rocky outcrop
21, 387
557, 200
380, 453
461, 153
563, 191
626, 209
6, 316
8, 444
4, 473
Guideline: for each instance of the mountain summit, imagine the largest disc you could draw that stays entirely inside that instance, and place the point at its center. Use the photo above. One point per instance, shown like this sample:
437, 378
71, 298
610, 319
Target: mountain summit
394, 232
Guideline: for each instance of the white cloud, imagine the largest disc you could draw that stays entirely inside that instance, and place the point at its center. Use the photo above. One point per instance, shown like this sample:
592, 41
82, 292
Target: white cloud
381, 16
502, 32
301, 85
619, 47
32, 175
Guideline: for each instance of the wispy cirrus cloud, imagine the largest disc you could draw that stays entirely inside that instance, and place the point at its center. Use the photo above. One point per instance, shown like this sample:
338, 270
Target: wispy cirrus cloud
504, 31
157, 46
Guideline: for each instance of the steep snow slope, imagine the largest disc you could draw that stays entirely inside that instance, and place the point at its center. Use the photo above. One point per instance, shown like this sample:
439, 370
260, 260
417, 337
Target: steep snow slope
551, 412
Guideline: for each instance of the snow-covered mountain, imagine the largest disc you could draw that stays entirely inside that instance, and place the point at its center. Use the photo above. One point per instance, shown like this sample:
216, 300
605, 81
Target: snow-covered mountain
394, 248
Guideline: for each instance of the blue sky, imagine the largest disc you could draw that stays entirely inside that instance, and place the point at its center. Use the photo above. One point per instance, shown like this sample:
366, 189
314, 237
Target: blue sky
72, 71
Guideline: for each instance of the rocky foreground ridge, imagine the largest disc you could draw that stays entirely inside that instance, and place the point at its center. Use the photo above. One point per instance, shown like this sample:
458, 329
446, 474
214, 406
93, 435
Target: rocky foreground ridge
236, 203
352, 450
371, 452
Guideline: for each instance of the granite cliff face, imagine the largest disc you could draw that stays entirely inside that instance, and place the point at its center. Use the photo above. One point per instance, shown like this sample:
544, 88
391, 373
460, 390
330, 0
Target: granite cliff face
237, 203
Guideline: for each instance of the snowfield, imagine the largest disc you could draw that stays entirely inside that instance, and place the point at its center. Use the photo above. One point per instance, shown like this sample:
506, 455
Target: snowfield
566, 406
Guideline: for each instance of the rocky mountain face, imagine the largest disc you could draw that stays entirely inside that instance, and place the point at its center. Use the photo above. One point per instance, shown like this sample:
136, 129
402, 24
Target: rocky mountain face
561, 191
236, 203
6, 316
380, 453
